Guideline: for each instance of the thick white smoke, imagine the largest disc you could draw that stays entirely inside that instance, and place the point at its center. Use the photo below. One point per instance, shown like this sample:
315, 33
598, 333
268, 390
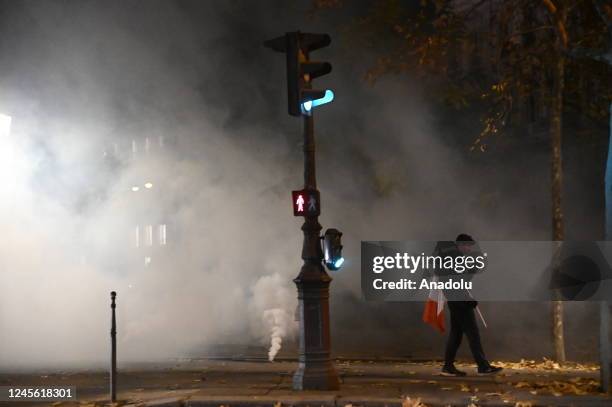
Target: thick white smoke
78, 80
68, 218
278, 322
273, 312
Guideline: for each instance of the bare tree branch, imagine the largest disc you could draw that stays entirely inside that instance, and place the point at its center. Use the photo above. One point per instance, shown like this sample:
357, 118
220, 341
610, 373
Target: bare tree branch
604, 56
605, 12
552, 8
595, 55
474, 7
516, 34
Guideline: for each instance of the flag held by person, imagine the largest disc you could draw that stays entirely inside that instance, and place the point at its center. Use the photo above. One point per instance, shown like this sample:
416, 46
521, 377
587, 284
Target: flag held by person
433, 314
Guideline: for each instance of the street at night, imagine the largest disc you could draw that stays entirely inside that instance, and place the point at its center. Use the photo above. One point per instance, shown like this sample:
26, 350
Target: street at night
313, 203
254, 382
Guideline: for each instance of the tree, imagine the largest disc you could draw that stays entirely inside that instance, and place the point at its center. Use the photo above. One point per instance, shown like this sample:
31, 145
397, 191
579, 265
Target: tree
558, 15
493, 56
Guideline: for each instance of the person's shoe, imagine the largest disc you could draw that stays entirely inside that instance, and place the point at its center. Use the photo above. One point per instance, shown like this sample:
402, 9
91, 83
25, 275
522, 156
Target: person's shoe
489, 370
452, 371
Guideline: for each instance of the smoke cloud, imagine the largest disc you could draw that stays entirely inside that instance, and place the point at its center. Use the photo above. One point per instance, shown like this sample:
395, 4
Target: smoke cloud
273, 300
109, 96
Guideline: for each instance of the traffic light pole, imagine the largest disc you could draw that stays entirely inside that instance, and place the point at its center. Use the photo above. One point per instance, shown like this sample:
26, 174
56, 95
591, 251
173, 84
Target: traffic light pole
315, 369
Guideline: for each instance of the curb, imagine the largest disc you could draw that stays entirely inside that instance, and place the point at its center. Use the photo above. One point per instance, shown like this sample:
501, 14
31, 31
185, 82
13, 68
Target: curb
337, 401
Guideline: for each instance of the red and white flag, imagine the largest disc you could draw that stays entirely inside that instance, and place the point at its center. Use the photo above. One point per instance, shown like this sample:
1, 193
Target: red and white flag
433, 314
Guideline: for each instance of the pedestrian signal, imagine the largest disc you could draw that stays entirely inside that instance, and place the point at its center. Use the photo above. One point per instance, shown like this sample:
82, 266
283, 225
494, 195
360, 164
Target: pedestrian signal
306, 203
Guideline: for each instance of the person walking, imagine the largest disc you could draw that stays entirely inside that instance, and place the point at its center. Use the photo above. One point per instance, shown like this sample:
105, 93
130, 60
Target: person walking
462, 307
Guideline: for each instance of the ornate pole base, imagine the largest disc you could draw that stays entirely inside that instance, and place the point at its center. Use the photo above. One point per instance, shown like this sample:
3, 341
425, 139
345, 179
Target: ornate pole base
315, 370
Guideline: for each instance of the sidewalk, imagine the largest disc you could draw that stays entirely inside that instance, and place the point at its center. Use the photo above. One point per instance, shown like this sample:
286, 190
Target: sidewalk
261, 383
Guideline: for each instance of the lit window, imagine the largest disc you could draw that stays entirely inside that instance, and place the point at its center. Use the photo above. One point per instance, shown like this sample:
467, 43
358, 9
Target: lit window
149, 235
5, 125
162, 234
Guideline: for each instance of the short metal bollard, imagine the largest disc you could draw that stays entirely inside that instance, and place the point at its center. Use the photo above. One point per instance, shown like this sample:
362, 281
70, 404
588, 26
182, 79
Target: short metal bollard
113, 369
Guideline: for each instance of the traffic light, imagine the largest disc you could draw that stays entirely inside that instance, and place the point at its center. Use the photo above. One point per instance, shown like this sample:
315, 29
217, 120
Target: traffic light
307, 105
301, 71
332, 249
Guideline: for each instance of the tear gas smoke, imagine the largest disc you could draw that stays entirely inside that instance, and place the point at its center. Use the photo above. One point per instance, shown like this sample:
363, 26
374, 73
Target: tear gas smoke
277, 320
84, 81
274, 301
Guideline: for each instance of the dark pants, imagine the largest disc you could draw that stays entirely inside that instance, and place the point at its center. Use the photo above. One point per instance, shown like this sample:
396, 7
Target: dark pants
463, 321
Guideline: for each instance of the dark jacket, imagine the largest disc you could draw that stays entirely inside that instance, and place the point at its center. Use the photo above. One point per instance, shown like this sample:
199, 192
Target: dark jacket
447, 249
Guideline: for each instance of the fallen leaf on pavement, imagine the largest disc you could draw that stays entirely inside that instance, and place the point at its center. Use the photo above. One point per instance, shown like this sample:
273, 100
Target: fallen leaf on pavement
522, 385
408, 402
576, 386
546, 364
